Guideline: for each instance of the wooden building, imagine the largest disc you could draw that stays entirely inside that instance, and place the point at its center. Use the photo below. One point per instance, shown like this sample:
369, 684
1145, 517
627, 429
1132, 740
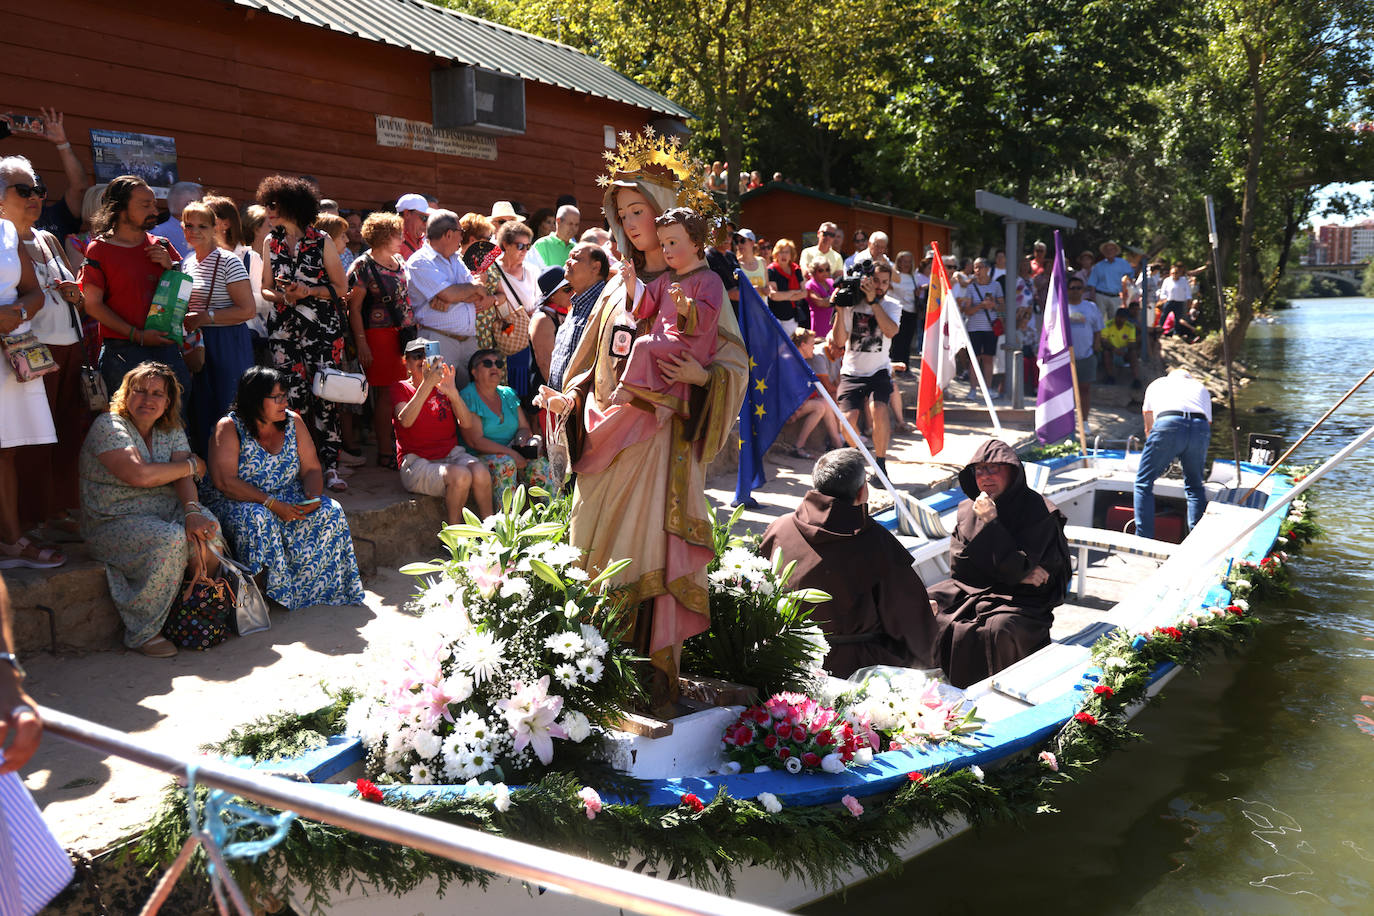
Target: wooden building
340, 90
782, 210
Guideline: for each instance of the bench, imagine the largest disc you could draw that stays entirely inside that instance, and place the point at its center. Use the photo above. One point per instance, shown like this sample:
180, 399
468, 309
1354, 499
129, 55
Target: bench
1084, 539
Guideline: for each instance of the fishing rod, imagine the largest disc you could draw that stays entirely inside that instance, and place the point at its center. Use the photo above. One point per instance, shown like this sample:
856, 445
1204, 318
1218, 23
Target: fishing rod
537, 865
1313, 428
1225, 347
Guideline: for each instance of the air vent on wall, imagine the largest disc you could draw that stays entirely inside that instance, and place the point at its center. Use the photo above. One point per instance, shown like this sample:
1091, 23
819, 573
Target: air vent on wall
484, 101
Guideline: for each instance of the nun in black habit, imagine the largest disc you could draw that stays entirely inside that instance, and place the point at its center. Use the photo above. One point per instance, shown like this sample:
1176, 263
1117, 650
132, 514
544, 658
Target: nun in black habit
1009, 568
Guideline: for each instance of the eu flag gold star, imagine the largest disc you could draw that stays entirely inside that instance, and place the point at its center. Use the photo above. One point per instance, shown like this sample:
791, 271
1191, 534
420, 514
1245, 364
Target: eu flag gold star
760, 386
752, 365
759, 411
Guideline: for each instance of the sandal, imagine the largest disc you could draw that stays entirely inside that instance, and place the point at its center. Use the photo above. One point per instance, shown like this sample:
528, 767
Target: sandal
157, 647
25, 554
798, 452
333, 481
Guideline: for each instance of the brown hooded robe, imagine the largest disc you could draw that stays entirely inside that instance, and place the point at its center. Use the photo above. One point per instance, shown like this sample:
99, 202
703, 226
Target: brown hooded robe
987, 619
879, 613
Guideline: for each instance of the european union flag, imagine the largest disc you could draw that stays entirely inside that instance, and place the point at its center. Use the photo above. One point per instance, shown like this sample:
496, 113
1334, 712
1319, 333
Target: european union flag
779, 381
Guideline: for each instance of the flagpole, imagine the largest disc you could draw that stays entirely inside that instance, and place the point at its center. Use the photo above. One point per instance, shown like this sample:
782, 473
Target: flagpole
902, 510
983, 387
1077, 407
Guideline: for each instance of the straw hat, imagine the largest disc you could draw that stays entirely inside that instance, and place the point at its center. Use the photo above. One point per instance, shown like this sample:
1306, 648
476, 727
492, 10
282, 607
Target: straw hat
502, 211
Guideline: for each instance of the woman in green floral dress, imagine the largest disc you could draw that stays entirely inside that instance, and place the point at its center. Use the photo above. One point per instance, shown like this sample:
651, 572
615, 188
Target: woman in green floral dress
138, 494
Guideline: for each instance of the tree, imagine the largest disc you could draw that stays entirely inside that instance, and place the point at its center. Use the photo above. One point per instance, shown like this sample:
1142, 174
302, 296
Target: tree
1367, 289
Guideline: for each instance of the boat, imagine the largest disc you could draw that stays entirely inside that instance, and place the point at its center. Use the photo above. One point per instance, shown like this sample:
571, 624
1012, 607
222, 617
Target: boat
1135, 605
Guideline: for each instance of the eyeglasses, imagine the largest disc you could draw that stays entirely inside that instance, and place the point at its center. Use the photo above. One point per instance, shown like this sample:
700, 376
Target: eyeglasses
832, 235
497, 363
278, 398
986, 470
28, 190
150, 395
520, 246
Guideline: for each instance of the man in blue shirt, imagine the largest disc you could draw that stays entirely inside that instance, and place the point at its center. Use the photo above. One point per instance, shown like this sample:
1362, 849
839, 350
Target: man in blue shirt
178, 196
1105, 284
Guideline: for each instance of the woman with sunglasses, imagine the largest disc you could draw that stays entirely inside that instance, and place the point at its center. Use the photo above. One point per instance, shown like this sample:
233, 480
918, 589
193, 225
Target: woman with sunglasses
268, 492
25, 418
49, 472
512, 278
506, 444
221, 304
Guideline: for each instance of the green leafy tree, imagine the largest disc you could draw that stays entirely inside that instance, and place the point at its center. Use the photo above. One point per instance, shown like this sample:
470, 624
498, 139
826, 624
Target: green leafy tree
1367, 288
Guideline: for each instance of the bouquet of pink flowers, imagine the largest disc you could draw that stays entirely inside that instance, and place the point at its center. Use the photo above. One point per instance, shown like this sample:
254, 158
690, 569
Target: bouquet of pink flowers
791, 731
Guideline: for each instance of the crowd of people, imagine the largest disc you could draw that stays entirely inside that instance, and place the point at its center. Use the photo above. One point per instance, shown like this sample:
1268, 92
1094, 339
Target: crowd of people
232, 416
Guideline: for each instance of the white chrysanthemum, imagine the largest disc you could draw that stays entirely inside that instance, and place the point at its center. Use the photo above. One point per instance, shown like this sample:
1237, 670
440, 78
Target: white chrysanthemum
421, 774
481, 655
426, 743
457, 687
500, 797
577, 726
515, 587
595, 642
576, 573
566, 673
565, 643
770, 802
591, 668
559, 555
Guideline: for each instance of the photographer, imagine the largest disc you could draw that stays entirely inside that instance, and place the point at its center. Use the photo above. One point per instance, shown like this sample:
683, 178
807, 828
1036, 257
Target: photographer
865, 330
429, 411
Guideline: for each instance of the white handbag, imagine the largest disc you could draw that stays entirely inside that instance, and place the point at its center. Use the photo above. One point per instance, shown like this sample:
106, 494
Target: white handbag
339, 386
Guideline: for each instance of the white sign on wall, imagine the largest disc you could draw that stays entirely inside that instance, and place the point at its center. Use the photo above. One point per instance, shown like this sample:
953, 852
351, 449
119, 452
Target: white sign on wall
418, 135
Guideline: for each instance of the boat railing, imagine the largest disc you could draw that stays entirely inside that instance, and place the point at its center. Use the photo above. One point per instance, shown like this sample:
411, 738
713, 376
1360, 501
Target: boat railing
537, 865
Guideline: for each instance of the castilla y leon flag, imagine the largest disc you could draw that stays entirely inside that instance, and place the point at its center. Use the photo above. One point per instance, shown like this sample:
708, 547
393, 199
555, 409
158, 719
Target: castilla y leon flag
1054, 402
944, 337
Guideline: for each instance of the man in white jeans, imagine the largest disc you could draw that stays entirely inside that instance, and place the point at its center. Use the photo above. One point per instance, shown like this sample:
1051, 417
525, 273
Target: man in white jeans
444, 295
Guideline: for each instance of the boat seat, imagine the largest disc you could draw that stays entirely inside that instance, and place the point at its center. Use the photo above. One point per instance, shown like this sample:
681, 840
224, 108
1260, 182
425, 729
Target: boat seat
1089, 634
1084, 539
1077, 477
1233, 497
928, 521
1028, 679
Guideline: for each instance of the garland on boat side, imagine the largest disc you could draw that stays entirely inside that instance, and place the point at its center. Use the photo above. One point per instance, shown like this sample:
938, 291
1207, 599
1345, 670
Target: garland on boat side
707, 841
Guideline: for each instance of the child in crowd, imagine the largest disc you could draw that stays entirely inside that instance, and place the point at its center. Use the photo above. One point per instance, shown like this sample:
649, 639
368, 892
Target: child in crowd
814, 410
684, 307
818, 290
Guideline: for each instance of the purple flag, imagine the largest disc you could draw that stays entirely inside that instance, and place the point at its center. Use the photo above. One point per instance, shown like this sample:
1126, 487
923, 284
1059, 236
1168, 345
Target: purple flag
1054, 402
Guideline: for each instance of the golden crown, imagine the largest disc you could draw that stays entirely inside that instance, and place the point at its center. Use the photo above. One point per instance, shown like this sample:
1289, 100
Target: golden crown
662, 160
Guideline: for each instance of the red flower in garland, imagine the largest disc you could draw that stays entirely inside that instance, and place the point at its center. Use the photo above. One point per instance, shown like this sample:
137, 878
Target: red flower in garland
1086, 718
916, 777
1235, 609
1102, 690
691, 801
369, 791
1171, 632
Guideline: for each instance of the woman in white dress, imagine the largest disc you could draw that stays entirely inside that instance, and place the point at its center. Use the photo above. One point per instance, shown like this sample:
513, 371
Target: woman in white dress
24, 415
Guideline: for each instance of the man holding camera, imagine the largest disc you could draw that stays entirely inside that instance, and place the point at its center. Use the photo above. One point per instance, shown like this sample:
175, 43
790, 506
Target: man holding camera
428, 414
865, 331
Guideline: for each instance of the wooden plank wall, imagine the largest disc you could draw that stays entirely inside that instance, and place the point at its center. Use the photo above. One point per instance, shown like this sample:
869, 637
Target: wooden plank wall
781, 213
246, 95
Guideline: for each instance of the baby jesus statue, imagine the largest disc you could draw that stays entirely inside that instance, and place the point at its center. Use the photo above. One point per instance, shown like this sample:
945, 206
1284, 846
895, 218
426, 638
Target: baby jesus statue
682, 308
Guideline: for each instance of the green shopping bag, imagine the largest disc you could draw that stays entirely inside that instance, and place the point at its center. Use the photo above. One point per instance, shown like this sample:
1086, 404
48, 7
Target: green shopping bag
169, 304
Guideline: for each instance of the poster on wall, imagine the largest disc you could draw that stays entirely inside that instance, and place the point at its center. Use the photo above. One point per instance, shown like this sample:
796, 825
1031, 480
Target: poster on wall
150, 157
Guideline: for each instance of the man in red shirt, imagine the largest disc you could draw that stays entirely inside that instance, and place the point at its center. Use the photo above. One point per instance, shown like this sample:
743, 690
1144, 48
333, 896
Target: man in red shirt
428, 414
123, 265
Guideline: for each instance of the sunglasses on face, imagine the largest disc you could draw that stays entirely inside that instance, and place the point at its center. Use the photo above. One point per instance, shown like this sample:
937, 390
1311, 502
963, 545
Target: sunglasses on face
986, 470
489, 363
28, 190
520, 246
833, 235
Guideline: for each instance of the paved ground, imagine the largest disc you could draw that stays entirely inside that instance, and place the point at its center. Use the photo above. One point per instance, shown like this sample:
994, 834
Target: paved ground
92, 802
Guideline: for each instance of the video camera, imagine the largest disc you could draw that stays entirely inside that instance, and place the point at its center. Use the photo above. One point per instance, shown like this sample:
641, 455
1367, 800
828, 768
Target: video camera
847, 292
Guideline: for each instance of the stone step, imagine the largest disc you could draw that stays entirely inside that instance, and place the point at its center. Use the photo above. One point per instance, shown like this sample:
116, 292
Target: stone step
390, 527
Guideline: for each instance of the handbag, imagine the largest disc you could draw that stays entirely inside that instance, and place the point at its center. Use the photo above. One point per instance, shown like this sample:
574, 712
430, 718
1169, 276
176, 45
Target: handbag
508, 325
339, 386
402, 316
92, 382
250, 608
28, 356
200, 619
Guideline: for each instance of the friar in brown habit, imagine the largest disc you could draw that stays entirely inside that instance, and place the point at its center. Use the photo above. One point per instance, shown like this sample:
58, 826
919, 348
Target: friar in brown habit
878, 612
1009, 564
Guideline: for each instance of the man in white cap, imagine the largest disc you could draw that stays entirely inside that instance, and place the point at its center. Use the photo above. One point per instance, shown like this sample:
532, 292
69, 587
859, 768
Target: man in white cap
1178, 424
414, 211
444, 295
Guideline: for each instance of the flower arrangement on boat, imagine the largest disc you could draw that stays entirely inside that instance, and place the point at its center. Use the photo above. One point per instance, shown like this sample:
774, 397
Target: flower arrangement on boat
519, 665
793, 732
910, 710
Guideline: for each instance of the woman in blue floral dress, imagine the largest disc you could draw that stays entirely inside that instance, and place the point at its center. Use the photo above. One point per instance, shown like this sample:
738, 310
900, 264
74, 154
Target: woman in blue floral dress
267, 494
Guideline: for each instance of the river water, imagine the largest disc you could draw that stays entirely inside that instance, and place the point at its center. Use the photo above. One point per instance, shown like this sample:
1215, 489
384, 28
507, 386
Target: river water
1254, 789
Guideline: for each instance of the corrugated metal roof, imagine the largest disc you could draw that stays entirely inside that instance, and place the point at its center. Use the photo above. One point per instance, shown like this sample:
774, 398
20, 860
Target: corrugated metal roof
449, 34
